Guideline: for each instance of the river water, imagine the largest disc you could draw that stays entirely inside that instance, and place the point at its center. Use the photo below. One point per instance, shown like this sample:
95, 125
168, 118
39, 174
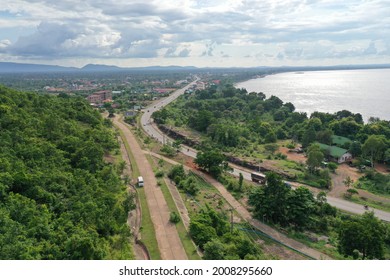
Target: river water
360, 91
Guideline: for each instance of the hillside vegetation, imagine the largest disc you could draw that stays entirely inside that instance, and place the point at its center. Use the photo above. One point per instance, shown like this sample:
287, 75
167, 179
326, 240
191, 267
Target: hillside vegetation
58, 198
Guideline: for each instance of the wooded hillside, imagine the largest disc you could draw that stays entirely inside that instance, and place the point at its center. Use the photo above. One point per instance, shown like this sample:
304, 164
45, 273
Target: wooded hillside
58, 198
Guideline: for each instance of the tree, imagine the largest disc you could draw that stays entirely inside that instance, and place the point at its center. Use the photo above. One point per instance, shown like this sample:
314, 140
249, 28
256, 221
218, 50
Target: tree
189, 185
325, 136
201, 120
355, 148
374, 147
270, 137
346, 127
314, 157
387, 156
271, 148
240, 181
201, 233
213, 161
365, 234
273, 103
177, 173
214, 250
271, 201
321, 197
348, 182
289, 106
301, 205
309, 136
315, 123
350, 192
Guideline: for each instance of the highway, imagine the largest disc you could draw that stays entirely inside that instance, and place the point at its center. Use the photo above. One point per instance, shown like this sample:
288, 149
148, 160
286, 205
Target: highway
151, 129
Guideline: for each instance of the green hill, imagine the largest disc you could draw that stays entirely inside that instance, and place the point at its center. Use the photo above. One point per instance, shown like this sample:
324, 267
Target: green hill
58, 198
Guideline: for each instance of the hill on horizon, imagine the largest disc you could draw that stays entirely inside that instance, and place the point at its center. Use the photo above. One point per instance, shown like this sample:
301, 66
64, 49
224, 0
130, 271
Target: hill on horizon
13, 67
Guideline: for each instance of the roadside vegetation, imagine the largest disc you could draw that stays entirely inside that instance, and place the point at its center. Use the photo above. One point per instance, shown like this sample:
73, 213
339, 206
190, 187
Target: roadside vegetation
211, 225
160, 172
314, 222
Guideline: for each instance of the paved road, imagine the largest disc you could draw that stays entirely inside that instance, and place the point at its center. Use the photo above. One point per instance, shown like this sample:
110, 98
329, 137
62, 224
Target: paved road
168, 240
146, 118
153, 131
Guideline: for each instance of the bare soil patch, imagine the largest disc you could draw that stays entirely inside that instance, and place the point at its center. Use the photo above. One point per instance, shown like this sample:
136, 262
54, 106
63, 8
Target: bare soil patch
292, 155
339, 188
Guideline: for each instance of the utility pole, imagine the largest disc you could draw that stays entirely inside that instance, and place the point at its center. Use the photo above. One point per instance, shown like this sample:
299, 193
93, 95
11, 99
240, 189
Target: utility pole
231, 220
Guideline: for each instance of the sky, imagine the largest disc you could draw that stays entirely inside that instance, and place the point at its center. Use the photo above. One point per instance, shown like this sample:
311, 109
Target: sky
214, 33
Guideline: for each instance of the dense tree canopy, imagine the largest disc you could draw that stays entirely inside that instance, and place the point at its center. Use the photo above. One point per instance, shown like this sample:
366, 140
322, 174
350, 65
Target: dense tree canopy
233, 118
277, 203
58, 198
364, 235
211, 231
213, 161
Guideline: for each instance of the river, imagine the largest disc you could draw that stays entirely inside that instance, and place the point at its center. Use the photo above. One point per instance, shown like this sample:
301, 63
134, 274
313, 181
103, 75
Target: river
360, 91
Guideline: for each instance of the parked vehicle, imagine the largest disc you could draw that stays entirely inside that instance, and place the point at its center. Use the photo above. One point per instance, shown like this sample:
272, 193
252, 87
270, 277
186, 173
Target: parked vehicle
140, 181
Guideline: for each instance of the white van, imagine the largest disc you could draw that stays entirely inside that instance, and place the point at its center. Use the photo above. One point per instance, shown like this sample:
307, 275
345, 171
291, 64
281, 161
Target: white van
140, 181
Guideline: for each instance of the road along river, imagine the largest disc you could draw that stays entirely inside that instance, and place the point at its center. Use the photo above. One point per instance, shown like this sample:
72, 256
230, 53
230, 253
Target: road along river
151, 129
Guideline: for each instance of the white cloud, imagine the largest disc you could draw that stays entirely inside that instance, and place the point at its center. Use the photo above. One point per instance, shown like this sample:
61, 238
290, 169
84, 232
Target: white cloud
272, 31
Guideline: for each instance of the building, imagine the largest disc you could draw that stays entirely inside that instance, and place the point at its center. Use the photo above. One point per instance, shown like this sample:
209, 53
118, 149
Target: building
130, 113
100, 96
336, 153
341, 141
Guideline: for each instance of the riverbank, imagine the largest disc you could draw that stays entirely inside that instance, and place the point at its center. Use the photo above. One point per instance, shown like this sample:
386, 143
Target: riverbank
361, 91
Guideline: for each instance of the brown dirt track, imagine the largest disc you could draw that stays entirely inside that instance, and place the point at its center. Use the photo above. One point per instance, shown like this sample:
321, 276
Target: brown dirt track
168, 240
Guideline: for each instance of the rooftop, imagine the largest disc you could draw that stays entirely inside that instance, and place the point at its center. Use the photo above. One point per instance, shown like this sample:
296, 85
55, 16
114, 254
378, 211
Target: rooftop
334, 151
340, 140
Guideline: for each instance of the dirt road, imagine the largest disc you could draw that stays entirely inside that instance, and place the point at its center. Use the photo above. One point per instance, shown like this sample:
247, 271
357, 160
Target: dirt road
168, 240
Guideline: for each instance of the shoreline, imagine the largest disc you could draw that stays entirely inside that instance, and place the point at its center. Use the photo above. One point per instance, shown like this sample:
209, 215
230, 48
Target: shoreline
320, 96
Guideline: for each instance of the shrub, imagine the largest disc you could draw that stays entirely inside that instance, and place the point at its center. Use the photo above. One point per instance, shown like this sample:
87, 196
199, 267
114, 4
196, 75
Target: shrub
174, 218
177, 173
332, 166
159, 173
168, 151
291, 146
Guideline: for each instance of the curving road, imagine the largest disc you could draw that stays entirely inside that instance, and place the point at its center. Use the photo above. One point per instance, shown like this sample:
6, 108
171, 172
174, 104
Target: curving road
153, 131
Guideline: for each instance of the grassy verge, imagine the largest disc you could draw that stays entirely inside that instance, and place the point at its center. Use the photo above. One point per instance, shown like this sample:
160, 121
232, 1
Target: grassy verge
320, 245
147, 229
183, 234
371, 203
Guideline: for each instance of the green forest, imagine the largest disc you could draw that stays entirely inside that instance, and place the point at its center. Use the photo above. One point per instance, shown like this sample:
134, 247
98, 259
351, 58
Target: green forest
59, 199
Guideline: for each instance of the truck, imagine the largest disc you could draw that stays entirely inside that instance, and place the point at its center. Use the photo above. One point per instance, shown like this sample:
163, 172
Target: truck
258, 178
140, 181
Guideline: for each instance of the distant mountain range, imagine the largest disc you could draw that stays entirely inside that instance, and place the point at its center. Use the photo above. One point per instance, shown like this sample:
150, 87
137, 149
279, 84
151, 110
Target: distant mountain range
11, 67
